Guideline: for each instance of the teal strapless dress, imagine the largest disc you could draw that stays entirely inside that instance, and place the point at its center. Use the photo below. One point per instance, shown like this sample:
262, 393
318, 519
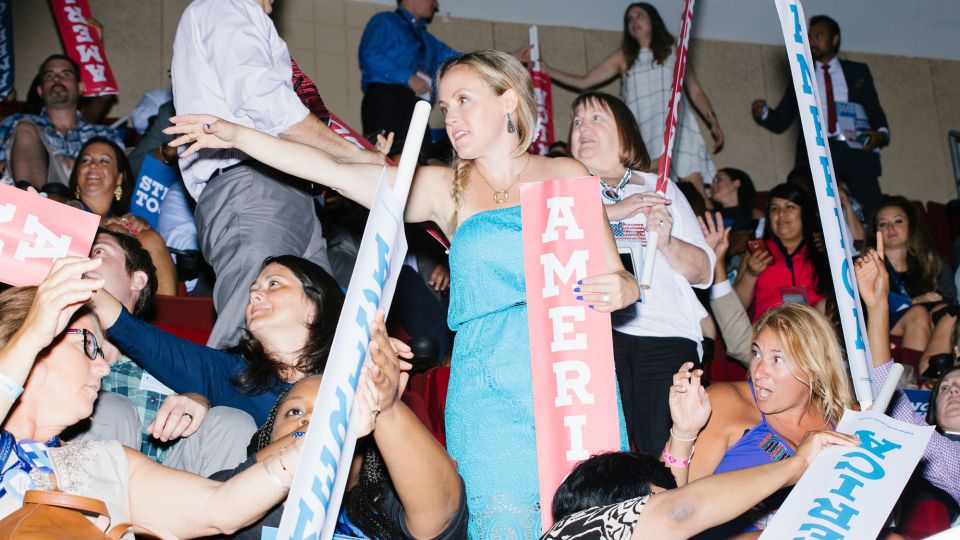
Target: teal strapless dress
489, 414
490, 429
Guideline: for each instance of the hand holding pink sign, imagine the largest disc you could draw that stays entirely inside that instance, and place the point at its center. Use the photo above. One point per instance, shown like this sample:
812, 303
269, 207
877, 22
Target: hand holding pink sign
34, 232
574, 385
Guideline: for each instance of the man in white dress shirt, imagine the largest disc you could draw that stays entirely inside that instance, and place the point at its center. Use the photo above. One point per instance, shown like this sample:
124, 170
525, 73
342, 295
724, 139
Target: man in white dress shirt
228, 60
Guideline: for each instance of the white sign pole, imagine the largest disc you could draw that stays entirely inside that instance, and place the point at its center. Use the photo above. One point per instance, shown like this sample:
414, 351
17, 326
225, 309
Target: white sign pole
835, 238
314, 501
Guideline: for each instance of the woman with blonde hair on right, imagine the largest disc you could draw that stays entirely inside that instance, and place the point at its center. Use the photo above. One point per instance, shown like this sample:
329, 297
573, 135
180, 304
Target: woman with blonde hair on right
797, 383
490, 116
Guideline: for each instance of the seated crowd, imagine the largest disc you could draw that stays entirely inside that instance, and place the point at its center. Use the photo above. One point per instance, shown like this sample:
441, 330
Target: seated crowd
204, 441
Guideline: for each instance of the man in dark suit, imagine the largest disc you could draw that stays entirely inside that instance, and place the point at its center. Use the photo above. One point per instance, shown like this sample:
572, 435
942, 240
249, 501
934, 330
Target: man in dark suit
839, 81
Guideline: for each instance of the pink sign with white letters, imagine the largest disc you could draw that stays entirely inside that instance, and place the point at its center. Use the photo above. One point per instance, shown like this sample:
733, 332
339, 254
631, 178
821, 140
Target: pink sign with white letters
35, 231
571, 347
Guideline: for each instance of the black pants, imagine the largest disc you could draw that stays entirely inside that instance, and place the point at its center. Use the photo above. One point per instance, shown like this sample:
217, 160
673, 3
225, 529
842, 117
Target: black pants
389, 107
645, 368
861, 172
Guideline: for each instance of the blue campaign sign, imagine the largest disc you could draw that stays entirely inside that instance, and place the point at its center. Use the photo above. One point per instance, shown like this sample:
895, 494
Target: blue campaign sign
919, 399
152, 185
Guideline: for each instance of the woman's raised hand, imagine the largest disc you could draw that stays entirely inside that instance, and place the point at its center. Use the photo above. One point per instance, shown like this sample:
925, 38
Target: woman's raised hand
382, 379
201, 131
873, 281
60, 295
690, 406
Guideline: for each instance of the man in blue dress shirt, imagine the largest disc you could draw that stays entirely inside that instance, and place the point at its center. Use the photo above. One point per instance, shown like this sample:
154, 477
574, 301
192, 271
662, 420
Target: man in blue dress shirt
398, 61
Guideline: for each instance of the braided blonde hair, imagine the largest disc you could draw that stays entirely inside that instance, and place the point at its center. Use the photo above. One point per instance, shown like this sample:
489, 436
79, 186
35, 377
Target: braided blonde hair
501, 72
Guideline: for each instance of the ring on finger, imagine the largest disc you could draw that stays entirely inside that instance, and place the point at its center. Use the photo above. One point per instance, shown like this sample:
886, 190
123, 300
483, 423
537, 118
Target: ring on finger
188, 414
605, 297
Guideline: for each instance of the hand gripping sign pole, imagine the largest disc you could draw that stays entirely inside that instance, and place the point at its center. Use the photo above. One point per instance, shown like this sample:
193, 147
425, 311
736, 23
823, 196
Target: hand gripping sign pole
835, 237
669, 134
314, 500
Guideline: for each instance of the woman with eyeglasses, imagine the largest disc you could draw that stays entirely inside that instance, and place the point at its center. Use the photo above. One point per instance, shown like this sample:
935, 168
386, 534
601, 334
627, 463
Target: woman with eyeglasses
51, 363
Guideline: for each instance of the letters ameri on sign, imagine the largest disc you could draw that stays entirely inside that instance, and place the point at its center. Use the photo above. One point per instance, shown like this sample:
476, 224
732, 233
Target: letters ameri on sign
35, 231
847, 493
571, 351
314, 500
836, 238
82, 44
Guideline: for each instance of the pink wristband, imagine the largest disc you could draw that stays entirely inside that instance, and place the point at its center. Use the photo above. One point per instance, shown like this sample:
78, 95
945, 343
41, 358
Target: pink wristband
674, 461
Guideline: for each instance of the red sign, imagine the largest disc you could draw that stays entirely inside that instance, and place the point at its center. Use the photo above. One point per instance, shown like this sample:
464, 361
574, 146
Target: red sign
571, 350
83, 45
541, 88
35, 231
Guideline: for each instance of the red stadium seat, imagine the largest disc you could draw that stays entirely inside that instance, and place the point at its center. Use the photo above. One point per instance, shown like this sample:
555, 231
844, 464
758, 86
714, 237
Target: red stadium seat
938, 223
721, 368
419, 408
438, 378
188, 317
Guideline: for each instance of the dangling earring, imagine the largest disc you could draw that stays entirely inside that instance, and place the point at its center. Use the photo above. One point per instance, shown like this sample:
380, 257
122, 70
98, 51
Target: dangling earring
76, 193
117, 193
510, 127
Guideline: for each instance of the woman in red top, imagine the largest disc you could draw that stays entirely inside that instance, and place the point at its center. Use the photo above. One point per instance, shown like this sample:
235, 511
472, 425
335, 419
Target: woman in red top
788, 266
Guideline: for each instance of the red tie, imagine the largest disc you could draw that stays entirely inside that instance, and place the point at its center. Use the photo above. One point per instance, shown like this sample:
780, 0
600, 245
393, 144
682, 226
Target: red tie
831, 107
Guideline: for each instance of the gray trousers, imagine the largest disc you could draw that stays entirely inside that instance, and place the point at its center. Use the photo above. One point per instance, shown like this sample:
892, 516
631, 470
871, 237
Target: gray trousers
219, 444
244, 216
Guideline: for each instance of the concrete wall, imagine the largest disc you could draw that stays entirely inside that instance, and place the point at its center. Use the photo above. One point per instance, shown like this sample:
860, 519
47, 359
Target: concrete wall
919, 94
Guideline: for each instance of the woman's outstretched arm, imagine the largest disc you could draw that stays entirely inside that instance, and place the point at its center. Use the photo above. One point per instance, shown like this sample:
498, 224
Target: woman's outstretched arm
430, 198
611, 66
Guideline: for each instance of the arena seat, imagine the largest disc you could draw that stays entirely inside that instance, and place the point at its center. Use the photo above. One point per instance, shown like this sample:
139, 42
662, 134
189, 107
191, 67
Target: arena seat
188, 317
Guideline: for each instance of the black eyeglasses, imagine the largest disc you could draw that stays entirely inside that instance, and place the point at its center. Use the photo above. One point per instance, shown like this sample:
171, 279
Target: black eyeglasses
90, 346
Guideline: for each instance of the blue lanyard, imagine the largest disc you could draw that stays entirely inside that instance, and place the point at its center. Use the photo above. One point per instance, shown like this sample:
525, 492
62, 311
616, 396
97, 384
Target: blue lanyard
7, 444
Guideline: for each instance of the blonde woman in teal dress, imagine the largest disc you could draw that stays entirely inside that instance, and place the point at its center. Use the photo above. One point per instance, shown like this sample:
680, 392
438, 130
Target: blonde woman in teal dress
644, 62
490, 112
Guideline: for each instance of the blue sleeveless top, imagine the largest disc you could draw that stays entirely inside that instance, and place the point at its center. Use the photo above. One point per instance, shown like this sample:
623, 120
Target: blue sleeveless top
759, 445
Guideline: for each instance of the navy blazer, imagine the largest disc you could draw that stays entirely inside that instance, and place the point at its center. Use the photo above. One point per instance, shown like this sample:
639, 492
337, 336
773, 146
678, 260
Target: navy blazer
860, 90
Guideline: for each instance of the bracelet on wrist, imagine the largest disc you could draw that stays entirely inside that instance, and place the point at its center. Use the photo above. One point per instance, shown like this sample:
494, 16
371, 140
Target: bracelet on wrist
10, 387
273, 476
673, 461
679, 438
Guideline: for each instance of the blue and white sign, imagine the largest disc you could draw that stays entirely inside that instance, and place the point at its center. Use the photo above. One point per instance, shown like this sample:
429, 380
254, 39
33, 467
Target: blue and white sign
837, 239
847, 493
328, 449
152, 185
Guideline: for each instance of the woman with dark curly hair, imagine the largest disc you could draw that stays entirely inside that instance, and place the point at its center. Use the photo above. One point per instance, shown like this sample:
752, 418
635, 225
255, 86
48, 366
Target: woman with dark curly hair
786, 266
918, 284
645, 61
291, 317
402, 484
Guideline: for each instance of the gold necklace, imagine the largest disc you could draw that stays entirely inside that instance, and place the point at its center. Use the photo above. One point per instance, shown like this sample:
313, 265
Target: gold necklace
501, 196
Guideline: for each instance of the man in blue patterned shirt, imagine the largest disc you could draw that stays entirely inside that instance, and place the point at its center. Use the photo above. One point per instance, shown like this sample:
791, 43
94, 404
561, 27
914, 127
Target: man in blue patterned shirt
177, 430
41, 148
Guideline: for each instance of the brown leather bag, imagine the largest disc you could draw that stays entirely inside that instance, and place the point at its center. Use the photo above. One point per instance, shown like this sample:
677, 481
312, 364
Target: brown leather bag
48, 515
